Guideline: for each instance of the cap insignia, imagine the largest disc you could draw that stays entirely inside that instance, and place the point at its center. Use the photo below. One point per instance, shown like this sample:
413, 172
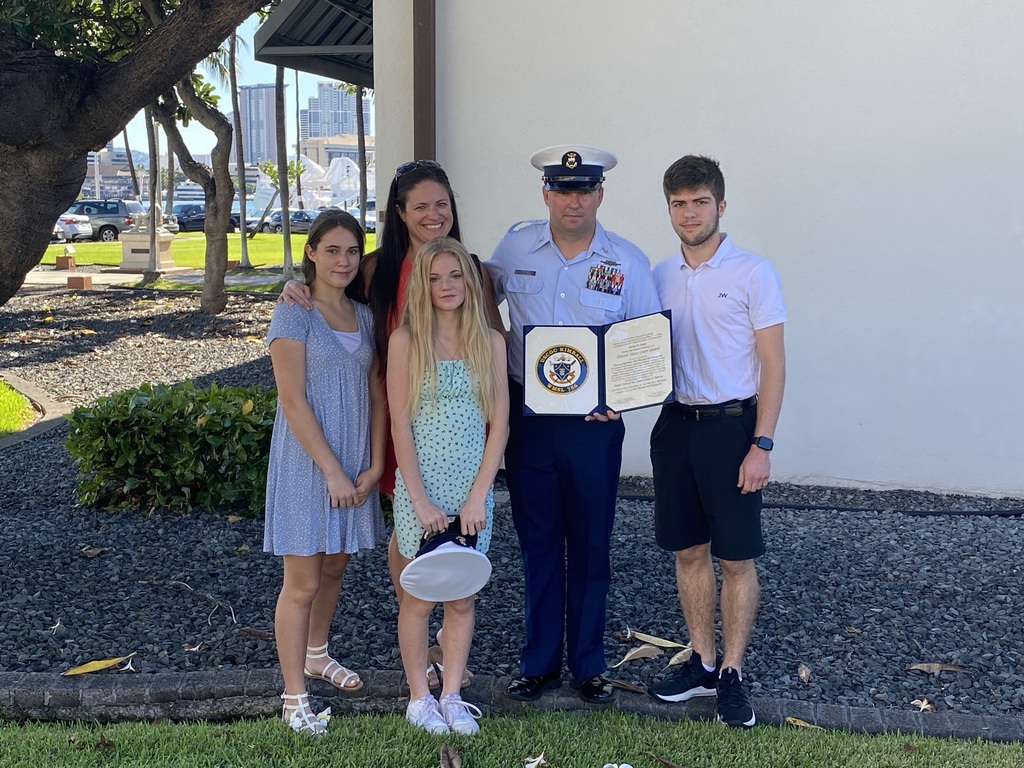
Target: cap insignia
570, 160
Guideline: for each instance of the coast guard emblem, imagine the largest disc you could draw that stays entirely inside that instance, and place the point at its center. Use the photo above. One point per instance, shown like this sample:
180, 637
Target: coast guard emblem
571, 160
562, 369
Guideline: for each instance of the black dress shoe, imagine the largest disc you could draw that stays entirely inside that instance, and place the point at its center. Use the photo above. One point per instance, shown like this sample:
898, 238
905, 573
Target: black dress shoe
531, 687
595, 690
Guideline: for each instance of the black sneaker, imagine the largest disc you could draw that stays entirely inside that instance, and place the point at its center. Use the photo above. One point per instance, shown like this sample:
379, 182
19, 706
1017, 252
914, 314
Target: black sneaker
733, 702
690, 681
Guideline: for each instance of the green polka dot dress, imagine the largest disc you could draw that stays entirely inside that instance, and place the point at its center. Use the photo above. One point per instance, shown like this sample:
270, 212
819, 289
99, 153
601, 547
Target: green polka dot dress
449, 434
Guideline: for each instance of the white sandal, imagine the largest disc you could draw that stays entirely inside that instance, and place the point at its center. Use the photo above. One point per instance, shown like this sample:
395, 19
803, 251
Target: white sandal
297, 714
331, 670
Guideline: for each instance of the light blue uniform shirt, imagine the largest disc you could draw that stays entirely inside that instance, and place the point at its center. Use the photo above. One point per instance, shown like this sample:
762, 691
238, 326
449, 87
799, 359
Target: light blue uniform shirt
609, 282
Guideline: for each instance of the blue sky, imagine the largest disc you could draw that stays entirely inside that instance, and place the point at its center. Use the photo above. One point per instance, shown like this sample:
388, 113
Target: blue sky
250, 72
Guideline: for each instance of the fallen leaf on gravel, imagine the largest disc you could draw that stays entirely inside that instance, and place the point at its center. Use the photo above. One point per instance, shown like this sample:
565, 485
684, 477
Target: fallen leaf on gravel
257, 633
95, 666
254, 339
536, 762
626, 685
681, 658
796, 722
664, 762
92, 552
197, 648
450, 757
234, 518
804, 673
652, 639
854, 631
643, 652
923, 705
53, 630
242, 551
934, 669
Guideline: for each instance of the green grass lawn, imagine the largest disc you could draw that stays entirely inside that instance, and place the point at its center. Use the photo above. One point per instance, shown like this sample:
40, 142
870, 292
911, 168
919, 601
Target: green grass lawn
189, 250
16, 412
567, 740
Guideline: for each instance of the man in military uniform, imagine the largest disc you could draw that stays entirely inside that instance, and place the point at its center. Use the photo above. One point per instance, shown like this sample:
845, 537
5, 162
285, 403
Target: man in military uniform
563, 471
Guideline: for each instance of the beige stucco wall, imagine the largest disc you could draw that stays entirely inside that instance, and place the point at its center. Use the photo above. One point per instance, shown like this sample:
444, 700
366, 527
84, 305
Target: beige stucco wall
872, 151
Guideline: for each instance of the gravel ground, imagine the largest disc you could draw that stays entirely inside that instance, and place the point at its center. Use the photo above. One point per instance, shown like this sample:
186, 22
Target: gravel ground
855, 585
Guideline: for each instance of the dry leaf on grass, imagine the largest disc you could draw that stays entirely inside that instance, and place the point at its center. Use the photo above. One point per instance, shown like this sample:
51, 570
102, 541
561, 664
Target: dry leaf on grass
934, 669
908, 747
643, 637
923, 705
804, 673
796, 722
104, 742
95, 666
536, 762
643, 652
450, 757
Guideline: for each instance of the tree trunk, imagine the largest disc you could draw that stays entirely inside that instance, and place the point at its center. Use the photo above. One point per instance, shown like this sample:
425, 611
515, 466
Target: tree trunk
171, 173
131, 167
288, 270
243, 188
216, 183
298, 147
154, 185
65, 108
361, 138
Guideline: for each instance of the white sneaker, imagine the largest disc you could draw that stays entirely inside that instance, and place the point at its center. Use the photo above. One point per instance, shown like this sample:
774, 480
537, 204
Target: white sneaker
423, 714
461, 716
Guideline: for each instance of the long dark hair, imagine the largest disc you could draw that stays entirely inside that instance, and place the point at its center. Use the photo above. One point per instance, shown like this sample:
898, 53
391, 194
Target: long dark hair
324, 222
382, 295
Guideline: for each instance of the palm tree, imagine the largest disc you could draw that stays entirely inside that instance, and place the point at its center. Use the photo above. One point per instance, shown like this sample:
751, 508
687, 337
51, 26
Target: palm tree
239, 149
288, 270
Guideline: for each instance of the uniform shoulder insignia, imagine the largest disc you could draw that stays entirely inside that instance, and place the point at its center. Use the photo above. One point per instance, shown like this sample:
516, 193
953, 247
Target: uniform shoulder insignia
519, 225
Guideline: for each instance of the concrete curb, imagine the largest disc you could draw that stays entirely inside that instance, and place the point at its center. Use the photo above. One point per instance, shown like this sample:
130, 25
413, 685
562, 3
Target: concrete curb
53, 412
241, 693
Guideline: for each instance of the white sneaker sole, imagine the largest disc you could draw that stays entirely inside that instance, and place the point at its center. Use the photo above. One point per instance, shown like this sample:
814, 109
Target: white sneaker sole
693, 693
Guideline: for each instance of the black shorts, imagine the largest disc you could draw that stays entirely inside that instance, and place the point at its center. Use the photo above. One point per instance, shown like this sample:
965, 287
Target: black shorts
696, 500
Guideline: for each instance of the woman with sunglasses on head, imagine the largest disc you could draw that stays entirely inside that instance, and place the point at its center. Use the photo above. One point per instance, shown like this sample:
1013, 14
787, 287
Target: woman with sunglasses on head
420, 208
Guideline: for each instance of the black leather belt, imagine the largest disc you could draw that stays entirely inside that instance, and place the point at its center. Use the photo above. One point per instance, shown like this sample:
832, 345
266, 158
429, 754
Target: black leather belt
717, 411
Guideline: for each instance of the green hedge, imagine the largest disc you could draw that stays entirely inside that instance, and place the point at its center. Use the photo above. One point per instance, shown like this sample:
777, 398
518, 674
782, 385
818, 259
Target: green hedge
174, 448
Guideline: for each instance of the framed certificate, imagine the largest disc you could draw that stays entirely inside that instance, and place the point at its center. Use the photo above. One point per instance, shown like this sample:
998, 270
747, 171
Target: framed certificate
579, 369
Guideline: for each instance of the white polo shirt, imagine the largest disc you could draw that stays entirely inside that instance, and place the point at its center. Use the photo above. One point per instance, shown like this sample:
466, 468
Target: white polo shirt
715, 310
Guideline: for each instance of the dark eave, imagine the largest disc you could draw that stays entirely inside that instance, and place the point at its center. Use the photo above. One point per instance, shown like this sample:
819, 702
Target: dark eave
332, 38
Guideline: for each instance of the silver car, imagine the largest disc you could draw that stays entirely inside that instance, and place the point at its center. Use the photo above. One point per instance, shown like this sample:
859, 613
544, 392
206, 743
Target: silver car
75, 226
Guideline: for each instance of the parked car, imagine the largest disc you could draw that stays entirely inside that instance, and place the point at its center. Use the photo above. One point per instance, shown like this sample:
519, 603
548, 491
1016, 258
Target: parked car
170, 221
301, 221
371, 214
109, 217
267, 225
192, 217
75, 226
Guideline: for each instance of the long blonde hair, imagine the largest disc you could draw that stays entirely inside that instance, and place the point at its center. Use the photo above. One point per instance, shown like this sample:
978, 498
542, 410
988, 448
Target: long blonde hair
474, 332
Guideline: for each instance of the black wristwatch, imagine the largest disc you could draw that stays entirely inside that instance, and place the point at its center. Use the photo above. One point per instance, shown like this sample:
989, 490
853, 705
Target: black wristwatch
764, 443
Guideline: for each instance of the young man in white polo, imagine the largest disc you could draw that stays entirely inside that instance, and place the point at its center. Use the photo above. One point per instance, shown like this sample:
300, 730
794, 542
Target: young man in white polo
710, 449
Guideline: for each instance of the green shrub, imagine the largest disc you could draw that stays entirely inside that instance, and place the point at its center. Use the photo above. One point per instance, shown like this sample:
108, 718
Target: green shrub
174, 448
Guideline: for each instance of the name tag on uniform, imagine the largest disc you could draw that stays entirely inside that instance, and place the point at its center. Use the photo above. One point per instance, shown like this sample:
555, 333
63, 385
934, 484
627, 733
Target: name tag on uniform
530, 272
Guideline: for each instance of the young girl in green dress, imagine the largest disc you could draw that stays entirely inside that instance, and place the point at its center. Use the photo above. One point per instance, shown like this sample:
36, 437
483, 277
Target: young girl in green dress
448, 394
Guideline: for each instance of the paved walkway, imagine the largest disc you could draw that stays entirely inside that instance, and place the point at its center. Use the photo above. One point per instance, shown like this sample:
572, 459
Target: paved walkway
49, 277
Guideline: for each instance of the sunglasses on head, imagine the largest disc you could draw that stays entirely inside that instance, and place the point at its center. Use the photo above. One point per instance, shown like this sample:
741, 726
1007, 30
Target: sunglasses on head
406, 167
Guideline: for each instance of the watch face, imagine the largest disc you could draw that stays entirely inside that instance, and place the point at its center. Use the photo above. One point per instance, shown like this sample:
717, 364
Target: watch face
764, 443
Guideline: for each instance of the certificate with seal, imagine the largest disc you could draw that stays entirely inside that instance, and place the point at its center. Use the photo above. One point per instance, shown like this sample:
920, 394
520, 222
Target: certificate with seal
579, 369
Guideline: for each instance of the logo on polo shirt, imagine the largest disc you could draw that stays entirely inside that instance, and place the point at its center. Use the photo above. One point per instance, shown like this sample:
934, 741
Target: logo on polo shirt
562, 369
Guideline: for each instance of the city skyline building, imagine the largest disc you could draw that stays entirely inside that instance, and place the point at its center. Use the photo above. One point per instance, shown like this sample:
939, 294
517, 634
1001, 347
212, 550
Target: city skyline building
332, 112
259, 127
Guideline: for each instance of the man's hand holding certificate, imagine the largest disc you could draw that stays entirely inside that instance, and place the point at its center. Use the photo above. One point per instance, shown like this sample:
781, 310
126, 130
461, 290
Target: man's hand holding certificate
582, 369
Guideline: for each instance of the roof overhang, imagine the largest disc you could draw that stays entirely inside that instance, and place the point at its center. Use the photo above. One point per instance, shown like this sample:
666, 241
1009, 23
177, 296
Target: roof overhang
332, 38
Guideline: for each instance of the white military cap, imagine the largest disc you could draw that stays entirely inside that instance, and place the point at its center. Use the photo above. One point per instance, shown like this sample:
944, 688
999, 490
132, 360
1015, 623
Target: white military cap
447, 567
573, 166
